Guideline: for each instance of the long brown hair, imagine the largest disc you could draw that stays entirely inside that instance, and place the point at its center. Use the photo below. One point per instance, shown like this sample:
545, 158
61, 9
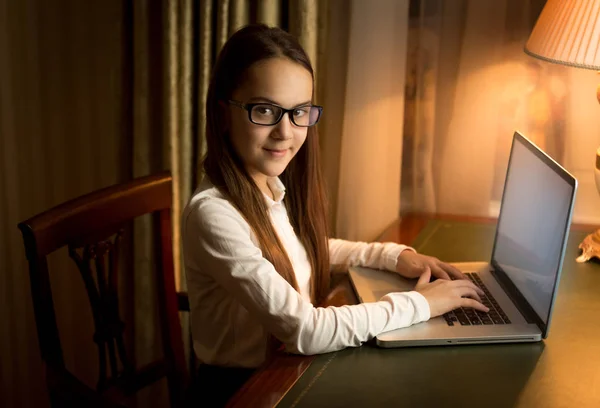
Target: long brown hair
305, 197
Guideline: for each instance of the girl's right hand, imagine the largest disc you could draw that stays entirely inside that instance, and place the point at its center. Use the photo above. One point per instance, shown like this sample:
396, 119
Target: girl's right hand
445, 295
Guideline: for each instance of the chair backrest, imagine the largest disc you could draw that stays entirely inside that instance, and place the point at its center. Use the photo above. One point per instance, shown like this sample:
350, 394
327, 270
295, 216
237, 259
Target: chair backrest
91, 227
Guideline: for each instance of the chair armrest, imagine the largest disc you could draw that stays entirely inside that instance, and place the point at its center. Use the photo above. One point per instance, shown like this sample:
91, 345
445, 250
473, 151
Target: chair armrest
183, 302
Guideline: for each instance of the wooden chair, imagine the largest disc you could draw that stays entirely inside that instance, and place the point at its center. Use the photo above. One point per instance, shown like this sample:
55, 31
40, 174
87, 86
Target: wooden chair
87, 225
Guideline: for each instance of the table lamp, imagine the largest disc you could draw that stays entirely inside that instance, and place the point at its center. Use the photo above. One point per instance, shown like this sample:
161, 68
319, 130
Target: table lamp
568, 33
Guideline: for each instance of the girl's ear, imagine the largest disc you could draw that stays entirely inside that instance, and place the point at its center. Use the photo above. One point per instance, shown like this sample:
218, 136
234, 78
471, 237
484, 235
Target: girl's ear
225, 115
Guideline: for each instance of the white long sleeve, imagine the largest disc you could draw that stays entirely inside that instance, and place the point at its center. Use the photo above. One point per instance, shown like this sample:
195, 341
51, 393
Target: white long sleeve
374, 255
237, 297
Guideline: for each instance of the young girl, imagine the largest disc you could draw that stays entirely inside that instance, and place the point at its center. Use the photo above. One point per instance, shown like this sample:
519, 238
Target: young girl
257, 255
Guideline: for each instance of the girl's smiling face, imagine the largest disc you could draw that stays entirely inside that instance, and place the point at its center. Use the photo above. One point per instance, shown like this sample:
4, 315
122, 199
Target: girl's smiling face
267, 150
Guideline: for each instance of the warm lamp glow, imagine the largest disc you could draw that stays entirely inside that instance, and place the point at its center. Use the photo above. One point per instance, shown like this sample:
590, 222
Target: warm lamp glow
568, 32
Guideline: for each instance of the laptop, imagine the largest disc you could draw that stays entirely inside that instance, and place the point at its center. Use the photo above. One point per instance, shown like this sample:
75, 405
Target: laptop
521, 279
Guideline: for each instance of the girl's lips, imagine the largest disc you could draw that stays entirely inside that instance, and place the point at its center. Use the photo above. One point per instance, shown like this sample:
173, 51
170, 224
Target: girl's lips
276, 152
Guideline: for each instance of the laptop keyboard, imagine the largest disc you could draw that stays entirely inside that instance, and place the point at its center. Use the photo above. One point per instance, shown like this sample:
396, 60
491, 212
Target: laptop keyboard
468, 316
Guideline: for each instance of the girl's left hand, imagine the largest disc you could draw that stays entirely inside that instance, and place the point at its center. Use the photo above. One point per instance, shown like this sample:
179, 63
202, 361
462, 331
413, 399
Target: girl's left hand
411, 265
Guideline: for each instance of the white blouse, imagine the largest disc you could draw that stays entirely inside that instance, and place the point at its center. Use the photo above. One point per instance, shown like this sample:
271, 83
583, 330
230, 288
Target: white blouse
237, 297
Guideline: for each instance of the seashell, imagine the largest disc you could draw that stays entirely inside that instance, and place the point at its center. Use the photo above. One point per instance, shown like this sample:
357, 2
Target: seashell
590, 247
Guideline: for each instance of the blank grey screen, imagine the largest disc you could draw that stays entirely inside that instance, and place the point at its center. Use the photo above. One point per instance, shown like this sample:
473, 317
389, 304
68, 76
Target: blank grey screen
532, 226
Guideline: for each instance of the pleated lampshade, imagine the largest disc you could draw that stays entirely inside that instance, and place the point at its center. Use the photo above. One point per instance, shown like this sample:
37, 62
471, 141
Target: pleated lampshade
568, 32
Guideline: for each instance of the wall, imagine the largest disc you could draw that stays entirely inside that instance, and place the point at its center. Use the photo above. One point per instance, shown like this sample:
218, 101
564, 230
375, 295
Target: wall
371, 148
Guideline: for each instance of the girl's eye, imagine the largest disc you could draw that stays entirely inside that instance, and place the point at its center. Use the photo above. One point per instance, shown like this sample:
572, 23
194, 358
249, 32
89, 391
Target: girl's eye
300, 112
264, 110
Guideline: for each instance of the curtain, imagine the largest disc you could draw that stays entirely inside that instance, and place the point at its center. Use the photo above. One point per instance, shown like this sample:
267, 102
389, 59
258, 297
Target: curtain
469, 87
62, 134
95, 93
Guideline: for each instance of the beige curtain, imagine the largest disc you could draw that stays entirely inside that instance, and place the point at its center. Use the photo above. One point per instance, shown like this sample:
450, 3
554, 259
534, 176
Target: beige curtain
470, 86
94, 93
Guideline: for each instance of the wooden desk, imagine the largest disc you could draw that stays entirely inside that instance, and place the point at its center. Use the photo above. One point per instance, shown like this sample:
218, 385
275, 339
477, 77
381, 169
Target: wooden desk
551, 379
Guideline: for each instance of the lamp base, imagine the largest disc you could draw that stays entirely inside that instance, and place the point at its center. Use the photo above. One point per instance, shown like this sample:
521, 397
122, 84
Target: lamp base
590, 247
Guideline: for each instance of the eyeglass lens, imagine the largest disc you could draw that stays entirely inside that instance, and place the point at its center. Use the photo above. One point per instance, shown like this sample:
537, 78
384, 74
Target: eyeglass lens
270, 114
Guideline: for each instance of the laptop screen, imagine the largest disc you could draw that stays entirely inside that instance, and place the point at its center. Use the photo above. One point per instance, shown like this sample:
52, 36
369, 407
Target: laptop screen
533, 224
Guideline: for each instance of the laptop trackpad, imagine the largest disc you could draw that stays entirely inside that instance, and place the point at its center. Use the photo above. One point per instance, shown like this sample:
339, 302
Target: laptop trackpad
371, 285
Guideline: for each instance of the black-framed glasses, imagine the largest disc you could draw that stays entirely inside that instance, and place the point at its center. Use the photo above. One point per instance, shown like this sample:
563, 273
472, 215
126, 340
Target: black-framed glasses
268, 114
